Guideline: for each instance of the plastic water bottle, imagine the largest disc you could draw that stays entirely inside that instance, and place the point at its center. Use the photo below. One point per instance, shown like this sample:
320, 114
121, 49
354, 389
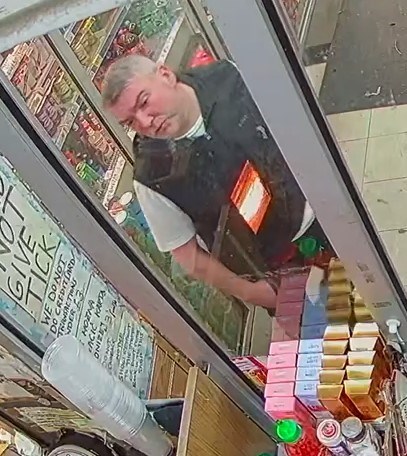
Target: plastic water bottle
112, 405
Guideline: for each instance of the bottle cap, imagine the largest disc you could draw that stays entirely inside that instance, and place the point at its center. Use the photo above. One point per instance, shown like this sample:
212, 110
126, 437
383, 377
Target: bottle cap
352, 427
309, 246
329, 432
288, 431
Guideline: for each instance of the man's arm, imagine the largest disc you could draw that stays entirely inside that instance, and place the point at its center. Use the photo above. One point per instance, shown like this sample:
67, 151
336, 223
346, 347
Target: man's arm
200, 265
174, 232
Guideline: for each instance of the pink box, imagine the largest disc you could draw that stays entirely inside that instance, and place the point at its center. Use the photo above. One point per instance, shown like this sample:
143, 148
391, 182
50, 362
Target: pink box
289, 308
288, 407
281, 375
281, 361
290, 295
282, 348
285, 328
279, 390
295, 281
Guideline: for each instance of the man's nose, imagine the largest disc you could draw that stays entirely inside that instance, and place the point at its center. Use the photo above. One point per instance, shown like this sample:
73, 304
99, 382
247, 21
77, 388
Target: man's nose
143, 120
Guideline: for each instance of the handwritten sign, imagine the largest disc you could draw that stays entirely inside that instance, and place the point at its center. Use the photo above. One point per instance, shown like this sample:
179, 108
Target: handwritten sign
49, 288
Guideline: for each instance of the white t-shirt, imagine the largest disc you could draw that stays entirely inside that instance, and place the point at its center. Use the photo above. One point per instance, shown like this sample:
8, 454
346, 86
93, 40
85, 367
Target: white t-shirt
170, 226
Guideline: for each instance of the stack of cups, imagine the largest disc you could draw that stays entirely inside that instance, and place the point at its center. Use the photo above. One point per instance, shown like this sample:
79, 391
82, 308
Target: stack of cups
114, 407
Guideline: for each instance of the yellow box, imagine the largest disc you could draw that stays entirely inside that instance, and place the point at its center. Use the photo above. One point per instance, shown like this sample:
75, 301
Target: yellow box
334, 361
337, 332
331, 376
365, 396
335, 347
334, 399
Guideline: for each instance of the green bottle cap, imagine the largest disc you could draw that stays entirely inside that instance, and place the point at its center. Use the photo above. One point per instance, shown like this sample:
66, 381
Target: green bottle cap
309, 246
288, 431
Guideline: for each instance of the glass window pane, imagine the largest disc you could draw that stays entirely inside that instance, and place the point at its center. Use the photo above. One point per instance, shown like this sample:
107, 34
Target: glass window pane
354, 54
99, 162
212, 183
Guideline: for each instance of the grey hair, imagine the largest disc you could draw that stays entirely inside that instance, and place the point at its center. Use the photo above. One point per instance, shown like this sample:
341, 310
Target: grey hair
121, 73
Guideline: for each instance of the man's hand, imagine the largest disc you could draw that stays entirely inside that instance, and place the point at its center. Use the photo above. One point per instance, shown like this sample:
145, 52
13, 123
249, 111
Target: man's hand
199, 264
259, 294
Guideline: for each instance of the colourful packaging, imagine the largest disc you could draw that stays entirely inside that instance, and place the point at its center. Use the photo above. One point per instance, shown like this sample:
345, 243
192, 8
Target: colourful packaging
313, 332
281, 375
290, 295
309, 360
279, 389
307, 394
254, 368
282, 348
314, 315
337, 332
282, 361
310, 346
365, 396
334, 399
334, 361
294, 281
289, 308
335, 347
307, 374
315, 309
288, 407
285, 328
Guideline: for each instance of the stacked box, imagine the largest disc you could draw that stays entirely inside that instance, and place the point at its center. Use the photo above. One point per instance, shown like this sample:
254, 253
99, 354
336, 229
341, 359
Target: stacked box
315, 368
309, 365
331, 389
339, 308
367, 368
289, 308
360, 311
281, 376
283, 352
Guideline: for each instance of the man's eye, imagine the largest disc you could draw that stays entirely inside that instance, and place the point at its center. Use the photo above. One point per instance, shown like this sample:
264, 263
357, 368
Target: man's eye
144, 101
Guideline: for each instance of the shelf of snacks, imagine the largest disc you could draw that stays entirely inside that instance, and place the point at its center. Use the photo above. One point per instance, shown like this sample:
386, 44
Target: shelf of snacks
88, 37
55, 101
142, 27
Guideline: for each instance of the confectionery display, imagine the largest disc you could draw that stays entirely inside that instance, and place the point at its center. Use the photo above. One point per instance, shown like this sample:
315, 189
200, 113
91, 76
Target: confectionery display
331, 372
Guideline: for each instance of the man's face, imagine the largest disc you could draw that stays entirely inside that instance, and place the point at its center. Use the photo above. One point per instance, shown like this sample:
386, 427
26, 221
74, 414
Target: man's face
151, 105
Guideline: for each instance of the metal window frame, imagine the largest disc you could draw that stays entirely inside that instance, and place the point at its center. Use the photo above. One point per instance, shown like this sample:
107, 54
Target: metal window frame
21, 21
272, 70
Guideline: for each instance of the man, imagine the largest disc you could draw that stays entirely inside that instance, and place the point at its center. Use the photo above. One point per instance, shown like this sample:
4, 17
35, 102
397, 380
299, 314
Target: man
197, 133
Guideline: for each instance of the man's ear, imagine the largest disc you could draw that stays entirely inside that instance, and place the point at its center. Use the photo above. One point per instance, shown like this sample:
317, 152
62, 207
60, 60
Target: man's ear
167, 75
